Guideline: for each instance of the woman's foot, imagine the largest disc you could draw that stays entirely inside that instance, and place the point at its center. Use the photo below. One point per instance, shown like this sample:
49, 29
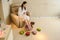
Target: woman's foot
32, 23
28, 27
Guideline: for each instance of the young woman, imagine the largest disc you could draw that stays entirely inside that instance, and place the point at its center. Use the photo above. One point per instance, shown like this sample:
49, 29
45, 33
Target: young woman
24, 16
22, 13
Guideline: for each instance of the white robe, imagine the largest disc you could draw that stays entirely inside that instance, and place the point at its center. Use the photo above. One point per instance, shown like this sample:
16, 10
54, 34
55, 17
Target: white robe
21, 14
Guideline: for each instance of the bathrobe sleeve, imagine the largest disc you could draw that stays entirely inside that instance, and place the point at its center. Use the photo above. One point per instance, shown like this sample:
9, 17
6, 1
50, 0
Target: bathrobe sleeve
19, 12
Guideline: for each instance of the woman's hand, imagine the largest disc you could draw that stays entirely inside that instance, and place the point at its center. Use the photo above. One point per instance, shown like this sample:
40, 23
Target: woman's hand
28, 13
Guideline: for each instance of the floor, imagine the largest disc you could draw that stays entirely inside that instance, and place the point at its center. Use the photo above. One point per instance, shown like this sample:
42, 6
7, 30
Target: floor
50, 29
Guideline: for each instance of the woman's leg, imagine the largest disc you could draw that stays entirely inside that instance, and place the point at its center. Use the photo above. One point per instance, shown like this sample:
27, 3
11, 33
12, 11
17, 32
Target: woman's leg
28, 25
21, 22
15, 19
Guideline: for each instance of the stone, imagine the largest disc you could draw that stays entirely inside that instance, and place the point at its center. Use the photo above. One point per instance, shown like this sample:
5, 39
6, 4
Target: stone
21, 32
27, 33
34, 32
38, 29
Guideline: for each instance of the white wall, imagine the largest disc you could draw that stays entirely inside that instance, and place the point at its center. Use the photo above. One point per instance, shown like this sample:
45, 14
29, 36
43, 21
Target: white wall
53, 7
42, 7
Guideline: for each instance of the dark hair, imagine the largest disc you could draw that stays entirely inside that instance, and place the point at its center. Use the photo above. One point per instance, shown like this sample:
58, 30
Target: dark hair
24, 2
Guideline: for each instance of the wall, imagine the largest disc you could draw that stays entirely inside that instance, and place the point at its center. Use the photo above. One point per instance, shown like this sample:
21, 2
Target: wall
42, 7
45, 7
53, 7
